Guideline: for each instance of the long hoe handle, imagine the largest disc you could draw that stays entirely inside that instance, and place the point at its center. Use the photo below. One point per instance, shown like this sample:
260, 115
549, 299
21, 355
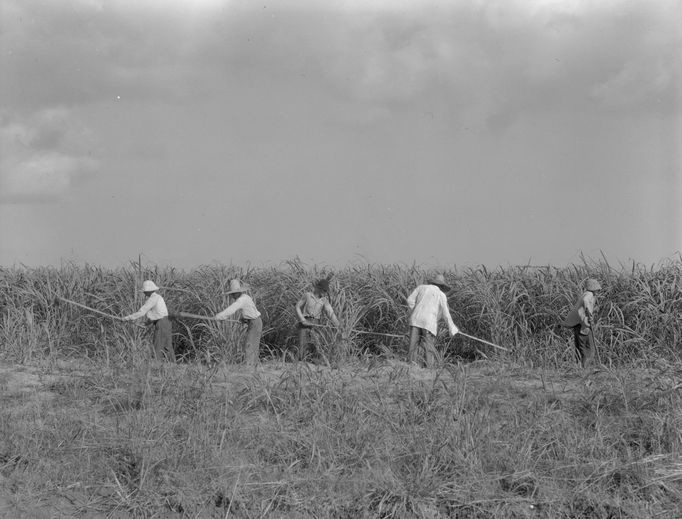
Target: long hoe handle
483, 341
116, 317
79, 305
187, 315
358, 331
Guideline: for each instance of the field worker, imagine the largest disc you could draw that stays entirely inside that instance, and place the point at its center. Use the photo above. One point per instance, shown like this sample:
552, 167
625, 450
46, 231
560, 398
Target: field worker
154, 308
427, 304
580, 320
309, 310
242, 302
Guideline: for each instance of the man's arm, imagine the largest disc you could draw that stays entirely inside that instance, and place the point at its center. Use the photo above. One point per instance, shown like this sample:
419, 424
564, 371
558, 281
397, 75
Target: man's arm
445, 312
148, 305
585, 314
412, 299
299, 310
230, 310
330, 313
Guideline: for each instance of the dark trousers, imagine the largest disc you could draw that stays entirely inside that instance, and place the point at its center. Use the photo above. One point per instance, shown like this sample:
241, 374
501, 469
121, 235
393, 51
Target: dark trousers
254, 330
307, 338
422, 347
584, 346
163, 340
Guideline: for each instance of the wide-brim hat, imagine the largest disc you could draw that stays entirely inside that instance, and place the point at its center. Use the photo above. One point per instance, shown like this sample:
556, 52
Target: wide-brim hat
236, 287
592, 285
149, 286
439, 281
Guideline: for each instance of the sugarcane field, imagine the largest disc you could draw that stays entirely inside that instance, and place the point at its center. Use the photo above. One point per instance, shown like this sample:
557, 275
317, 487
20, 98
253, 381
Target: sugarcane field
95, 424
352, 259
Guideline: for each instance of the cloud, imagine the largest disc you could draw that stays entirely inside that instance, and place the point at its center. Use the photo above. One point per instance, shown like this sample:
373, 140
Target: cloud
634, 83
81, 51
491, 59
44, 156
43, 177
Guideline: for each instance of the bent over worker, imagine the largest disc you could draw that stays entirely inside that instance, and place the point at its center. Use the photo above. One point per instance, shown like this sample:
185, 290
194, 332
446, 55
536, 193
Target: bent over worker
309, 310
580, 319
242, 302
154, 308
427, 304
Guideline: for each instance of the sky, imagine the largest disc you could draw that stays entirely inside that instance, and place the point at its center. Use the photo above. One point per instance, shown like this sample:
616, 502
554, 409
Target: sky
440, 133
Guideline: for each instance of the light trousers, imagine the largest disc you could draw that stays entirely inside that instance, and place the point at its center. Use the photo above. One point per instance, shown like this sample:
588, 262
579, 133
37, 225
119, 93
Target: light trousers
423, 347
254, 330
163, 340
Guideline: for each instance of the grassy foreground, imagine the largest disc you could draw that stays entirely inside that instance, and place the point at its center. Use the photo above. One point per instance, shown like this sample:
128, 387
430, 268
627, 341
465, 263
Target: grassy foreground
374, 438
90, 428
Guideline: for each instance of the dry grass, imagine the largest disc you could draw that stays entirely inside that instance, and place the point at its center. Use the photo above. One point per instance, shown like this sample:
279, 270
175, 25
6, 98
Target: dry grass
88, 426
517, 307
380, 440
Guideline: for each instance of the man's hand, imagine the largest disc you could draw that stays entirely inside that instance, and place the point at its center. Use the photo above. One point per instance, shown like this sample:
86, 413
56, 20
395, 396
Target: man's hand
306, 324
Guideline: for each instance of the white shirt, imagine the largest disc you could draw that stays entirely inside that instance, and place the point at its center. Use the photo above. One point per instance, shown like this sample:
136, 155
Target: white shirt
243, 303
154, 308
428, 303
582, 313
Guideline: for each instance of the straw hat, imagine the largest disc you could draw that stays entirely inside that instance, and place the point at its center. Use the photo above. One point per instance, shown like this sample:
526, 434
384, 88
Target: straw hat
592, 285
236, 287
149, 286
439, 281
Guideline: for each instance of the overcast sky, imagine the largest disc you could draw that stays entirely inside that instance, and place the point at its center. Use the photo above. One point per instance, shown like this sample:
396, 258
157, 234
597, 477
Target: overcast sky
393, 131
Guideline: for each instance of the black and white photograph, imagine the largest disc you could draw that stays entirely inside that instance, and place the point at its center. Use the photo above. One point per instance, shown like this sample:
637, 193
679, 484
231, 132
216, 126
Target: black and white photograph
341, 259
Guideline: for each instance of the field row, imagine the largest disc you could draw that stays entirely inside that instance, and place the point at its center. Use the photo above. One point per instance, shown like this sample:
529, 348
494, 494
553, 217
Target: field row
517, 307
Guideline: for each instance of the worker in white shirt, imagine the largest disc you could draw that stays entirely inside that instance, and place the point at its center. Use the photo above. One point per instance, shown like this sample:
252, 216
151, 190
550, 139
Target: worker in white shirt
580, 320
154, 308
427, 304
309, 310
243, 303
